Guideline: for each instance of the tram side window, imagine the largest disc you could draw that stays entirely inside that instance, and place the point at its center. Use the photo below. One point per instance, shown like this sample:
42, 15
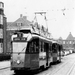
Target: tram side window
34, 46
60, 47
31, 47
57, 47
45, 46
37, 46
54, 48
28, 47
42, 46
50, 47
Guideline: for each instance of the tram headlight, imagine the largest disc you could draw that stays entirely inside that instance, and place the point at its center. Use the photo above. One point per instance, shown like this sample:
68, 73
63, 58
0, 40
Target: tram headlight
18, 61
11, 57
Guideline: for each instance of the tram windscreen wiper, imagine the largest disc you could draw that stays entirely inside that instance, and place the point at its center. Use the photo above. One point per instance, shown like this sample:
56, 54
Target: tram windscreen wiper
22, 50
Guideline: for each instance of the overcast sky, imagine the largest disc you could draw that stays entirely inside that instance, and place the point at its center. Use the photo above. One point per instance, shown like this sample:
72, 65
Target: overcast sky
60, 14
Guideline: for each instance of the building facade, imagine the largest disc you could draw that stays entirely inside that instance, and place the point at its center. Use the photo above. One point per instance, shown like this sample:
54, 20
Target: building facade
12, 27
3, 24
68, 43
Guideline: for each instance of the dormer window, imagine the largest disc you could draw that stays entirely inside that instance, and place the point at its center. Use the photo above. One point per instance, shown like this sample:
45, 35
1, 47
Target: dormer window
63, 42
70, 42
19, 24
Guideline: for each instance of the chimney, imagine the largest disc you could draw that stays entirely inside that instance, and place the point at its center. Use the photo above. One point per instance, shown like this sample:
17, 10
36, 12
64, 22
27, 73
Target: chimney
25, 17
21, 15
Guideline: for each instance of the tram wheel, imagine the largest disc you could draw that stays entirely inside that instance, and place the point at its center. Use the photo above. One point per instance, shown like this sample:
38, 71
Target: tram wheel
42, 68
49, 64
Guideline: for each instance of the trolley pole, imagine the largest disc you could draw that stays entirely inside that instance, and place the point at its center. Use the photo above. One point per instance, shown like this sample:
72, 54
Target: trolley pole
44, 17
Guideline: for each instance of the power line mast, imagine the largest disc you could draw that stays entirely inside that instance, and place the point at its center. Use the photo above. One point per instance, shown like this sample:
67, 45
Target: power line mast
41, 13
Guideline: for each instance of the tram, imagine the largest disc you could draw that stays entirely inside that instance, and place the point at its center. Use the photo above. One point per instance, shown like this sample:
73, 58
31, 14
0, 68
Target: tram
56, 52
31, 51
32, 48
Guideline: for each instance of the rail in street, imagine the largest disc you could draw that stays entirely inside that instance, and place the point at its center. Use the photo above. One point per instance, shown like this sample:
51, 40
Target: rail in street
66, 67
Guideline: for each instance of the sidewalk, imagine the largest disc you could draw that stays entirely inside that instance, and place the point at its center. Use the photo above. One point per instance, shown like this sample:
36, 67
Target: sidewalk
4, 64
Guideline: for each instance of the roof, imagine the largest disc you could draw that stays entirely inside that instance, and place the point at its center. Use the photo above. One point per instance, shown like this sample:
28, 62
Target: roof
20, 22
70, 37
9, 25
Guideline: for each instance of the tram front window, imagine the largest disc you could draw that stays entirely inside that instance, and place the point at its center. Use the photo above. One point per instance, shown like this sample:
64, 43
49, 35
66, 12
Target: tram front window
19, 46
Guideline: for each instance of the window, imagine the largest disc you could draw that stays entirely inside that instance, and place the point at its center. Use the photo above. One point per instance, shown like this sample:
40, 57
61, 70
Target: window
1, 33
63, 42
50, 47
70, 42
42, 46
54, 47
19, 24
19, 46
1, 19
46, 47
37, 46
1, 5
33, 46
1, 47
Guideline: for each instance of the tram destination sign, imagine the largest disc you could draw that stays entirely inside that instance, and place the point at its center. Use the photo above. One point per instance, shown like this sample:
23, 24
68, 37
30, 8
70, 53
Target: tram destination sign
20, 39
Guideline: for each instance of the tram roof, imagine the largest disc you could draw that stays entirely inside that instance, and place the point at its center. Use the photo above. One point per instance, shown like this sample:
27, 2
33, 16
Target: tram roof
33, 35
44, 38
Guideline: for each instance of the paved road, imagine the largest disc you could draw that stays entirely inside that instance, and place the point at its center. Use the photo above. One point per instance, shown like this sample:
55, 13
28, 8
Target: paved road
5, 68
4, 64
66, 67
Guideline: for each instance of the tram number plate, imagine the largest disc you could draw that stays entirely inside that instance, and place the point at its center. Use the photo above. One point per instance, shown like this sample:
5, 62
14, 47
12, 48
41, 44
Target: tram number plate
20, 39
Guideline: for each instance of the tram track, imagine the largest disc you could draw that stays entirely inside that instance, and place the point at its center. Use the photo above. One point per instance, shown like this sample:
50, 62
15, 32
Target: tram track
54, 70
6, 71
61, 67
71, 69
4, 68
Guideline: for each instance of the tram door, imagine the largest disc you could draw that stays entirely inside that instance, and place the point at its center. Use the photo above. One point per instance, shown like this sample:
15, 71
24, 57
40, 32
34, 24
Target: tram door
60, 48
46, 48
34, 54
54, 52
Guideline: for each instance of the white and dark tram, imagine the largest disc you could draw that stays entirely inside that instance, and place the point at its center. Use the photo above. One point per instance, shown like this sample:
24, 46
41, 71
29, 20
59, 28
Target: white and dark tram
32, 51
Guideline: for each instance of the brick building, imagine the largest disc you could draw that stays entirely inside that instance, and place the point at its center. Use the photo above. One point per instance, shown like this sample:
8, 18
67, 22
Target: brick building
3, 25
68, 43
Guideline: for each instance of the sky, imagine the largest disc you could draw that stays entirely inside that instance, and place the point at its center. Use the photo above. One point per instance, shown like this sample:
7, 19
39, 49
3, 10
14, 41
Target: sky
60, 14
